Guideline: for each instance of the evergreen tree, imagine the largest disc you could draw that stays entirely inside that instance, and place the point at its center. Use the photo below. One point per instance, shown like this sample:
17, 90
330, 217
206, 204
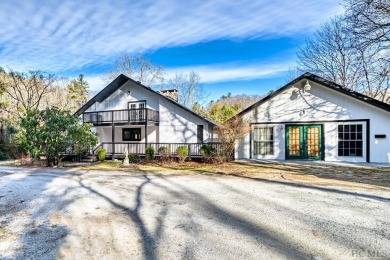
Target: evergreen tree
78, 92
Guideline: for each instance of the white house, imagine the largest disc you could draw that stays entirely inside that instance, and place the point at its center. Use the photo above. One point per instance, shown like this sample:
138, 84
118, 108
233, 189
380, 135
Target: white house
127, 114
311, 118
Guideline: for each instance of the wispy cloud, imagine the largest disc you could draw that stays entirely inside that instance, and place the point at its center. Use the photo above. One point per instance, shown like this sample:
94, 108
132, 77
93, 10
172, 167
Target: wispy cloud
233, 72
64, 35
213, 73
96, 82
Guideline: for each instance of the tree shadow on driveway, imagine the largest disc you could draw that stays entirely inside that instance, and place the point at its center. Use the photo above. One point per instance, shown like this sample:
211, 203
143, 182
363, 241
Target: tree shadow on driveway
148, 239
379, 176
24, 212
314, 187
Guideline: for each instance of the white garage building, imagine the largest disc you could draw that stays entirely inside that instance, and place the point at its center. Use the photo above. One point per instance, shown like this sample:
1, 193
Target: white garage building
311, 118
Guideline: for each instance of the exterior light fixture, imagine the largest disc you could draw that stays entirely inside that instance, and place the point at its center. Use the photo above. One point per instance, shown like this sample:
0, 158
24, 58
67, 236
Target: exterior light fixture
128, 93
307, 86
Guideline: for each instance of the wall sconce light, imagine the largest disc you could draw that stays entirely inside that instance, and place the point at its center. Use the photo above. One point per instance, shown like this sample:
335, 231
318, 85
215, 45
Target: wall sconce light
307, 86
128, 93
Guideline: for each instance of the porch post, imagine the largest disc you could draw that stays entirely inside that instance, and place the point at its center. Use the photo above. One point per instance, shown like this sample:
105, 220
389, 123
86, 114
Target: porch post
250, 142
146, 129
113, 140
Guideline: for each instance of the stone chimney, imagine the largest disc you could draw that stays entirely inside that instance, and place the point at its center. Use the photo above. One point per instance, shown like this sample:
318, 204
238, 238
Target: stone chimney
171, 93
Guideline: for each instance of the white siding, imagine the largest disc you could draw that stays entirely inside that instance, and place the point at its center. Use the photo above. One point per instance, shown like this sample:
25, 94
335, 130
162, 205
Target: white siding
176, 124
105, 134
320, 104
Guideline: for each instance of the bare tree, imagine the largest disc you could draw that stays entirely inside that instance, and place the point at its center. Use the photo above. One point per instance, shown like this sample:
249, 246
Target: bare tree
190, 89
138, 68
228, 133
369, 24
3, 86
334, 54
369, 21
375, 74
26, 91
328, 54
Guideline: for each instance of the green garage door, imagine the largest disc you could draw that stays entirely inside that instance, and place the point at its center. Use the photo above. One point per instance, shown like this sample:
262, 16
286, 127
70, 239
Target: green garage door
304, 142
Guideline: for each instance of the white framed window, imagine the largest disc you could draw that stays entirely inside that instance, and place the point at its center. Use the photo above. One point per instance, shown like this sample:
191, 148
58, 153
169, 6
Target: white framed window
263, 140
350, 140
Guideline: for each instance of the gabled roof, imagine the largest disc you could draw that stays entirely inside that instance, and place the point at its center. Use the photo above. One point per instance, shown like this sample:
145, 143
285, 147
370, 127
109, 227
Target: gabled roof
325, 83
118, 82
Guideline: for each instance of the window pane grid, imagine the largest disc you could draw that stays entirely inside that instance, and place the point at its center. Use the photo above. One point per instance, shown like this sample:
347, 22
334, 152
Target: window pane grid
313, 141
263, 143
350, 140
295, 141
131, 134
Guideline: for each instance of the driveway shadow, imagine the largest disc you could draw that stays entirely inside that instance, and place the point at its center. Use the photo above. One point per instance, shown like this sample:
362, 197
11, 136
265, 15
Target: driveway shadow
379, 176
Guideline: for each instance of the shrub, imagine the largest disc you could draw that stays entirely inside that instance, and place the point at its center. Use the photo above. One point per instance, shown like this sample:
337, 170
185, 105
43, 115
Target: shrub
101, 154
133, 158
206, 149
207, 152
149, 153
164, 152
182, 153
3, 155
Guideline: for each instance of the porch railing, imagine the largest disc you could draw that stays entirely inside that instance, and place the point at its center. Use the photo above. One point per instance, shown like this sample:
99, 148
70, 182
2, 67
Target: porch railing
139, 148
121, 116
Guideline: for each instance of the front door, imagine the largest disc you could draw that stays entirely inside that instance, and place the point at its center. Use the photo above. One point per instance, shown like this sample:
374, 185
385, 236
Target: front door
304, 142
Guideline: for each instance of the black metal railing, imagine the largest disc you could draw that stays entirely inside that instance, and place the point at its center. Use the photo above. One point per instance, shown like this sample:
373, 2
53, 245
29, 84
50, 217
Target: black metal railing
118, 148
139, 115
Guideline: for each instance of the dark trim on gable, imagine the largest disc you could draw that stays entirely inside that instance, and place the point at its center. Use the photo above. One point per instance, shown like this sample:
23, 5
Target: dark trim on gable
122, 79
326, 83
103, 94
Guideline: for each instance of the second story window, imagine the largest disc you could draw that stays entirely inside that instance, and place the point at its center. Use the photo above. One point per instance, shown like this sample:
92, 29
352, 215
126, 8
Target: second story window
137, 111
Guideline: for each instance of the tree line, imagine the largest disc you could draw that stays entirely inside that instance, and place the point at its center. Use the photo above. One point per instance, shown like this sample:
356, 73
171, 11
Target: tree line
37, 109
352, 49
36, 116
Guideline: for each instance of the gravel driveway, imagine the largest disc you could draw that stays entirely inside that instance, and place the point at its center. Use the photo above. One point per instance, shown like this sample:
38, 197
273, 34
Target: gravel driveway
46, 214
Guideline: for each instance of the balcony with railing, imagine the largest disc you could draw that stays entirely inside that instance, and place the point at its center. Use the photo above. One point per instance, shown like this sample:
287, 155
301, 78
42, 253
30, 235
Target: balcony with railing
124, 116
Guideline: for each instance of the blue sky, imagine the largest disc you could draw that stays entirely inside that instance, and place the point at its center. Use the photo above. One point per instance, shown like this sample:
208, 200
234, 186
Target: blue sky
235, 46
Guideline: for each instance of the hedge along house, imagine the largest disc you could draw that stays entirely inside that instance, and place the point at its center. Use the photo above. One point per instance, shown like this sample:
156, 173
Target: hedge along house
311, 118
129, 115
